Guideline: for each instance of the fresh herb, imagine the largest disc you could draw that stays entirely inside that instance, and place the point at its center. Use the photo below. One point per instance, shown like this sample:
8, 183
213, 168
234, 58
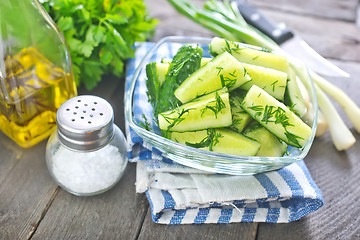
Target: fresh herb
233, 74
175, 120
268, 113
281, 117
220, 69
256, 108
237, 120
245, 72
146, 123
100, 34
227, 81
292, 138
210, 140
273, 85
285, 146
219, 105
276, 116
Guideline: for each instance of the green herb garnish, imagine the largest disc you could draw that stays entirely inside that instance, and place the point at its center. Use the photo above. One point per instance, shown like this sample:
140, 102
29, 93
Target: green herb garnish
210, 140
219, 105
100, 34
146, 123
175, 120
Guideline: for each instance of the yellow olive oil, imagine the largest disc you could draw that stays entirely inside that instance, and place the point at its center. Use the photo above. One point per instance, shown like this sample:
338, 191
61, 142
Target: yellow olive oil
31, 92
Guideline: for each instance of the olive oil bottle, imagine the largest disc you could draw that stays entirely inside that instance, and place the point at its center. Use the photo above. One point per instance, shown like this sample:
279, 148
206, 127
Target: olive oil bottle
34, 90
35, 72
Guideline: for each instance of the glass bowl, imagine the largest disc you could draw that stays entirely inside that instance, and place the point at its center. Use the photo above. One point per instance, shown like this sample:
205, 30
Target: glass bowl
193, 157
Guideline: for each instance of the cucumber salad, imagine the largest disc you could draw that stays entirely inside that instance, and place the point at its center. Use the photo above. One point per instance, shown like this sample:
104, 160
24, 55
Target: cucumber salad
243, 101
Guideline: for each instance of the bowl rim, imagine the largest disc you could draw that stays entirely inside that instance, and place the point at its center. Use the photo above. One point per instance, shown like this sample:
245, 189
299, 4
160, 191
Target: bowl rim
240, 161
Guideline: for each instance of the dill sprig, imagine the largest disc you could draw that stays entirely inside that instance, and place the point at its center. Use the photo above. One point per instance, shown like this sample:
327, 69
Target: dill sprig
292, 138
256, 108
210, 140
175, 120
219, 105
146, 123
219, 70
273, 85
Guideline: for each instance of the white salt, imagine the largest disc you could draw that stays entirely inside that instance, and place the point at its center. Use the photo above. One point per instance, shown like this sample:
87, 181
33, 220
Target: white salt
87, 172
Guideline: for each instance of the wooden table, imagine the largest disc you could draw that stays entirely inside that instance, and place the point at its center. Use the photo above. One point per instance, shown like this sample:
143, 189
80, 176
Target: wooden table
33, 206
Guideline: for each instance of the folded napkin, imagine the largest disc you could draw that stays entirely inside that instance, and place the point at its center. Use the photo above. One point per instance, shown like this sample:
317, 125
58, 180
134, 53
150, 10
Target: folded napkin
182, 195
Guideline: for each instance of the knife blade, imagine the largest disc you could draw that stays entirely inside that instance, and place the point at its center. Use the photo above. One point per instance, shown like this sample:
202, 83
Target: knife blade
288, 41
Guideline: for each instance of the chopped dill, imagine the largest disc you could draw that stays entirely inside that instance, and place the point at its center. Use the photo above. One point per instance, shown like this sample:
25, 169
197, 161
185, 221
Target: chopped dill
219, 105
146, 123
210, 140
268, 113
227, 81
292, 138
233, 74
175, 120
256, 108
273, 85
219, 70
245, 72
280, 117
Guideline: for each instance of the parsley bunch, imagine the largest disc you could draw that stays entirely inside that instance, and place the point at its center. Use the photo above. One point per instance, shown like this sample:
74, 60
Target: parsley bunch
100, 34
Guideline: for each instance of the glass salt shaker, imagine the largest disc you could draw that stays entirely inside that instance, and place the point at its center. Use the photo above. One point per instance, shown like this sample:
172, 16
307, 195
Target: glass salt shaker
87, 154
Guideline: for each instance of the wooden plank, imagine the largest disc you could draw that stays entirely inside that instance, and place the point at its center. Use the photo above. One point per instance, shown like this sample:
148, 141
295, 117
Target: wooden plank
115, 214
328, 37
151, 230
334, 9
337, 175
173, 23
25, 191
117, 102
10, 155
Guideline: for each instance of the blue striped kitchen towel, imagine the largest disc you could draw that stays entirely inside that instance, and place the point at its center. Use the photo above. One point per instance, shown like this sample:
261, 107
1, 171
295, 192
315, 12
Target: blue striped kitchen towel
181, 195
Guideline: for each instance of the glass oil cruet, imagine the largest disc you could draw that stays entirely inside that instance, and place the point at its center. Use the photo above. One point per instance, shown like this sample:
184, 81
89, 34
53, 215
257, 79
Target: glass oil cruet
35, 72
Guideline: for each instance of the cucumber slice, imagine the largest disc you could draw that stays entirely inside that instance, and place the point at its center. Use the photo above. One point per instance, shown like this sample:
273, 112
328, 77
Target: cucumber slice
276, 117
157, 71
209, 111
252, 56
205, 60
166, 60
270, 144
161, 71
239, 116
271, 80
218, 140
223, 70
197, 139
293, 96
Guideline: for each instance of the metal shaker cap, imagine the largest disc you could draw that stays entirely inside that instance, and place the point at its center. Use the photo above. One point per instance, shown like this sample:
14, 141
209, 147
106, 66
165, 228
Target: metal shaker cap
85, 123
